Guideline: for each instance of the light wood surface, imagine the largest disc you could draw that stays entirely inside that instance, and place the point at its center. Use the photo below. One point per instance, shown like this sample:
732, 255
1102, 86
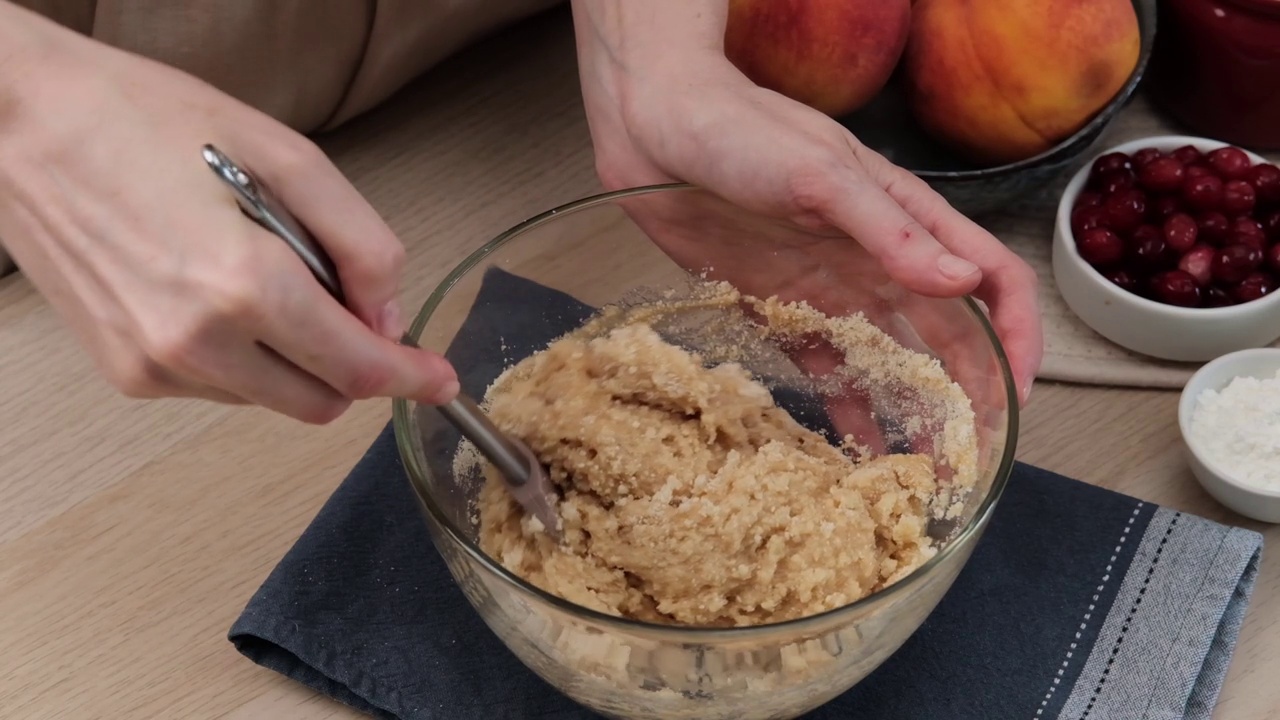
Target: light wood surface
132, 534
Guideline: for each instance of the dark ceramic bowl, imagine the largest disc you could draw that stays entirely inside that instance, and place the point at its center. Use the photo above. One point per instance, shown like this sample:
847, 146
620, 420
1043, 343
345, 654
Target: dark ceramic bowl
887, 125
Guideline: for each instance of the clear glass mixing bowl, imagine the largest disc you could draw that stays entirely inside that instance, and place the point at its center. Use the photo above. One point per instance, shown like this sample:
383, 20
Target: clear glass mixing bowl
631, 246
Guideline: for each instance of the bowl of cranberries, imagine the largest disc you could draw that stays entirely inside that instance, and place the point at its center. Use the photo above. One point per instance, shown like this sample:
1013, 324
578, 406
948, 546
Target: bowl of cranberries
1170, 246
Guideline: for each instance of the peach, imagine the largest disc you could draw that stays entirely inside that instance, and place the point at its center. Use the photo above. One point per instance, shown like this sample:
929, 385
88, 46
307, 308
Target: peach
833, 55
1003, 80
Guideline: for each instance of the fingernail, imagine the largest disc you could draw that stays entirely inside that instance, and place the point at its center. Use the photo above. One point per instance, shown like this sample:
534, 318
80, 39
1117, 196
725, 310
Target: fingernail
447, 392
956, 268
390, 323
1026, 391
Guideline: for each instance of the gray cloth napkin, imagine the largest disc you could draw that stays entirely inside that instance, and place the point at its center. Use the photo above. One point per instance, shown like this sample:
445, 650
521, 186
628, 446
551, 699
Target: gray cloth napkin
1078, 603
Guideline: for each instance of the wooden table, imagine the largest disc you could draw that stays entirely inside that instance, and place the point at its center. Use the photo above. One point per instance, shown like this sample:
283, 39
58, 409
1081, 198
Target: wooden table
132, 534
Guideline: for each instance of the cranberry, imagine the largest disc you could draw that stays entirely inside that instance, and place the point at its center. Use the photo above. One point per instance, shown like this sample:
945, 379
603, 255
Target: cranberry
1238, 197
1124, 280
1273, 258
1148, 253
1176, 287
1159, 209
1271, 225
1083, 218
1089, 199
1180, 232
1162, 175
1198, 263
1253, 287
1202, 193
1265, 179
1214, 227
1217, 297
1111, 163
1145, 233
1248, 240
1112, 183
1187, 154
1100, 247
1197, 170
1230, 163
1248, 231
1232, 263
1145, 155
1124, 210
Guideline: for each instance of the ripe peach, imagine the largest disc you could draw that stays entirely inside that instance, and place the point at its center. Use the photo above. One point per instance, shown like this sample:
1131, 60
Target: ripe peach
1003, 80
833, 55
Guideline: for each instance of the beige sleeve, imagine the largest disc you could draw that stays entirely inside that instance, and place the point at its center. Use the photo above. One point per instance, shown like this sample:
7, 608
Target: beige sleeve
313, 64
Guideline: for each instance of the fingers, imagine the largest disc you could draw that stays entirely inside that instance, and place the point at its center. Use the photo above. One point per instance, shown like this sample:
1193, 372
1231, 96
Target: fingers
920, 326
319, 336
137, 376
1015, 315
262, 377
205, 392
849, 408
255, 324
368, 255
210, 356
849, 199
1009, 286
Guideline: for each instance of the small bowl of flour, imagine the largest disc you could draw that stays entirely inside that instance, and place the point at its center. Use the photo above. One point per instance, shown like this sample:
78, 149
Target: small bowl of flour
1230, 421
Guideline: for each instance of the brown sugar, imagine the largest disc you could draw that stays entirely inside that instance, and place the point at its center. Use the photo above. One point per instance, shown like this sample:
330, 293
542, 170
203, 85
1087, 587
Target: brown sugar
689, 497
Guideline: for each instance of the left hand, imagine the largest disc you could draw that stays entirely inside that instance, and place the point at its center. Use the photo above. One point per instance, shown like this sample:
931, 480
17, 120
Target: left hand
695, 118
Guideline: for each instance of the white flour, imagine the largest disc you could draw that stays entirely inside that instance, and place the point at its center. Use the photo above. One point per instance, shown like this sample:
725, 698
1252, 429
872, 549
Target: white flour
1238, 430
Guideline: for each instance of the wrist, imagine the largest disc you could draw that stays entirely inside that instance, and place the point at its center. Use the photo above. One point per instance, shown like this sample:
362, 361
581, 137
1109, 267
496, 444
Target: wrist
654, 34
631, 55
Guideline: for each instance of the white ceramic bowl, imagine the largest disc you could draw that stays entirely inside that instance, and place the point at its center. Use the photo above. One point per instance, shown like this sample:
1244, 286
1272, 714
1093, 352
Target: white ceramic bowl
1247, 500
1145, 326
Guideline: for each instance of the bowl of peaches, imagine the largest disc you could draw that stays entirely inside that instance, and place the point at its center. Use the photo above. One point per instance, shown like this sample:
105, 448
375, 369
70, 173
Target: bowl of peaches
1170, 247
984, 101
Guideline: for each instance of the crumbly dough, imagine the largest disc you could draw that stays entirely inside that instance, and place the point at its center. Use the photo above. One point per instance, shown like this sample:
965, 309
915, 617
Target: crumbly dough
688, 496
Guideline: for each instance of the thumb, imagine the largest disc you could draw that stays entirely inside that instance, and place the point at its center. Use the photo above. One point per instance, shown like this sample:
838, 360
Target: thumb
367, 254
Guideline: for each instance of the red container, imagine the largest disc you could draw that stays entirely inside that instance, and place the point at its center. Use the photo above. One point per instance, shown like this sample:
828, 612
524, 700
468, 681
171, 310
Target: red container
1215, 67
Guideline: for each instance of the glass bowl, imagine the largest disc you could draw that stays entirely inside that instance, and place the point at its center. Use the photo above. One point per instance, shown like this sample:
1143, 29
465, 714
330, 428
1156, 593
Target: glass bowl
542, 279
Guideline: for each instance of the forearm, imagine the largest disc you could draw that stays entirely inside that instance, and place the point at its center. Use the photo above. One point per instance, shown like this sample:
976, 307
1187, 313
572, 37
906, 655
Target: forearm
12, 46
24, 37
654, 32
631, 51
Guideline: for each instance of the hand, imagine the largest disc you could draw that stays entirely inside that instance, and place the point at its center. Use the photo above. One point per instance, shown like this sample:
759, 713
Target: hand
661, 113
109, 209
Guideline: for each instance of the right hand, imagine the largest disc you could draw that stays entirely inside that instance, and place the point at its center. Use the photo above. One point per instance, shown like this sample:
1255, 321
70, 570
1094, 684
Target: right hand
110, 210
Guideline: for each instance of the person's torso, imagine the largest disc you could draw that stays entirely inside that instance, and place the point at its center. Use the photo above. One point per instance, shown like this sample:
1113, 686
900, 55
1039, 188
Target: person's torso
310, 63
